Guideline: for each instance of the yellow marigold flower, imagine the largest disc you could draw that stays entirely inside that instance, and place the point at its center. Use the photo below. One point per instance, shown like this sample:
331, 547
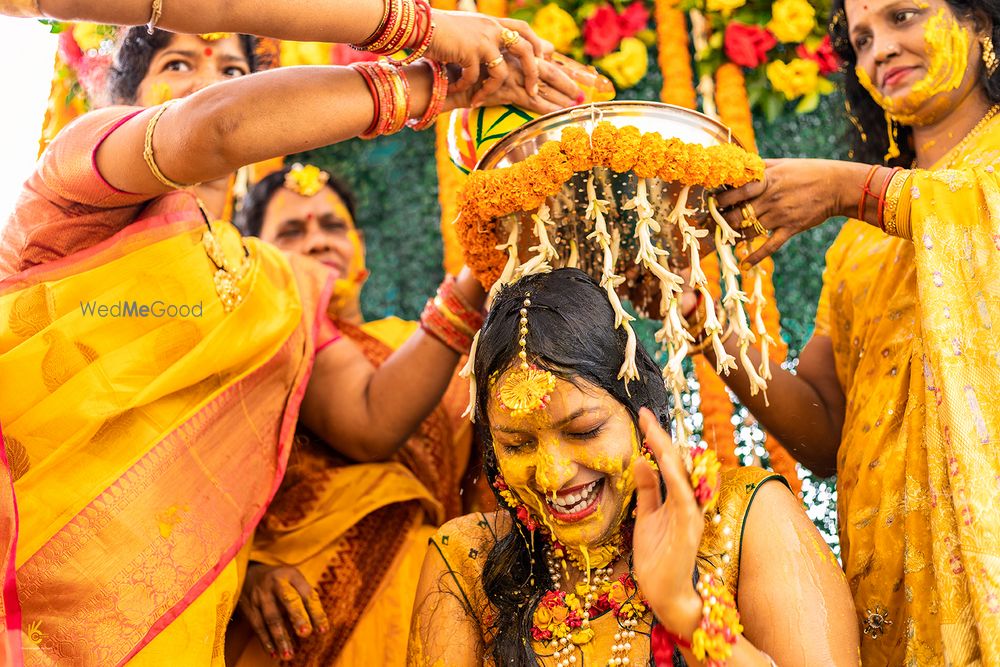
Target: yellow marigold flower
543, 616
306, 180
604, 142
628, 65
555, 24
792, 20
582, 636
726, 7
795, 79
629, 139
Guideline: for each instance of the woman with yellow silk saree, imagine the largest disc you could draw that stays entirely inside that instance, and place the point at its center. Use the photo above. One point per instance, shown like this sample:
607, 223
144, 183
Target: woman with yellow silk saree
355, 533
896, 390
155, 366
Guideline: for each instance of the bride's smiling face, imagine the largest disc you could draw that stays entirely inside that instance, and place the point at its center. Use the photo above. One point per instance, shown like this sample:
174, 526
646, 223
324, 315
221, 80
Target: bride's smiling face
568, 461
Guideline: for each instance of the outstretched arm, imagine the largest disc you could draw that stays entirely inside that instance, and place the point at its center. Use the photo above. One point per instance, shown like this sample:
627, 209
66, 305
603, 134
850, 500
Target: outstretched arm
208, 135
466, 39
367, 413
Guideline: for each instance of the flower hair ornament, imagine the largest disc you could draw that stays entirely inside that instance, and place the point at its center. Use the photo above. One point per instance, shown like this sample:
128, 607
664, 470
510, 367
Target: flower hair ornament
306, 180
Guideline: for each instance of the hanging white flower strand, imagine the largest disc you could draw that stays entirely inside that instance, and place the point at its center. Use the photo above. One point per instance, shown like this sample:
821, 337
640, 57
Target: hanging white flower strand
756, 274
544, 253
596, 210
733, 301
509, 273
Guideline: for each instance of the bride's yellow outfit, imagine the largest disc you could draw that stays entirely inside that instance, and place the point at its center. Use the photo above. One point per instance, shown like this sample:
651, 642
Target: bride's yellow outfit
913, 325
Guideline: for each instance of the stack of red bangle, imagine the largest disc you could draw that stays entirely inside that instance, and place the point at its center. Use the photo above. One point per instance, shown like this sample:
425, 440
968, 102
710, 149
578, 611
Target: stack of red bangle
439, 91
390, 92
406, 24
865, 192
449, 319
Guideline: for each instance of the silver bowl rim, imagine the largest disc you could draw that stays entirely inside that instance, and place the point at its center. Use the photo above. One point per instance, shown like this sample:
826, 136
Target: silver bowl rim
504, 144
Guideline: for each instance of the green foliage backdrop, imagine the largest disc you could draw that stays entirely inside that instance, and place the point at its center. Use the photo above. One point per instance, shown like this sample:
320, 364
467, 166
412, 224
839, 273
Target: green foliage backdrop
395, 181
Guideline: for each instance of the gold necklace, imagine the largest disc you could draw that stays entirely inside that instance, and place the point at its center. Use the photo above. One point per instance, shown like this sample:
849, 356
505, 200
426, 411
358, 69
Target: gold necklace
956, 151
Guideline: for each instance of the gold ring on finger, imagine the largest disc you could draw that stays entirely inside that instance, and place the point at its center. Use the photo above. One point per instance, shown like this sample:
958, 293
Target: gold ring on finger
749, 216
509, 37
289, 597
496, 62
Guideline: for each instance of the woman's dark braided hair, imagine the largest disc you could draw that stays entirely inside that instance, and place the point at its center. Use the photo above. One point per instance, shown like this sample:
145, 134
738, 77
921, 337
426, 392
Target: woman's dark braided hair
135, 52
571, 333
868, 134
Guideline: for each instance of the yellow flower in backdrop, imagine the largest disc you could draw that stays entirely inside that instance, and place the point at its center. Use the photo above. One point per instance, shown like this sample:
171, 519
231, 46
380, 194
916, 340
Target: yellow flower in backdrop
792, 20
305, 53
89, 36
724, 6
555, 24
795, 79
628, 64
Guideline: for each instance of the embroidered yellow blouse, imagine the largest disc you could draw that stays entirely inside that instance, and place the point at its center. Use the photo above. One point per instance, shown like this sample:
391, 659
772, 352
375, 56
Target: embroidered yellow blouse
911, 324
464, 544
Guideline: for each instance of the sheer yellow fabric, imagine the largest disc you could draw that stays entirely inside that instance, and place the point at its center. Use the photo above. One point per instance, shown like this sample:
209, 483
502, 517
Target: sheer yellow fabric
912, 329
465, 543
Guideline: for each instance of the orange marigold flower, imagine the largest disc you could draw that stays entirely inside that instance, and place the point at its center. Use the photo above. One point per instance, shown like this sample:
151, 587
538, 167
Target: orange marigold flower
604, 142
627, 152
576, 147
653, 151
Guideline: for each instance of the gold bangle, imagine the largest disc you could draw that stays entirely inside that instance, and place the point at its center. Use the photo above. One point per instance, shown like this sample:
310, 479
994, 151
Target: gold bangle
147, 150
154, 18
890, 214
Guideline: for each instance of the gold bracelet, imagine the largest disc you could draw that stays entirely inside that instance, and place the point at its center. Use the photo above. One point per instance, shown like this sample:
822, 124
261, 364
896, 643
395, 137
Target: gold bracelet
154, 18
147, 150
890, 215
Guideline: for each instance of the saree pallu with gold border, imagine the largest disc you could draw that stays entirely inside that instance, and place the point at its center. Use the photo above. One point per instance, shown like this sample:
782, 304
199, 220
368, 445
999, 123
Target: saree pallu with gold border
145, 449
913, 330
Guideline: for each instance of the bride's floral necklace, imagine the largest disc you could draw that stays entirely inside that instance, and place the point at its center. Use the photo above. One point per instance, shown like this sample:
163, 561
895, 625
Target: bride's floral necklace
562, 620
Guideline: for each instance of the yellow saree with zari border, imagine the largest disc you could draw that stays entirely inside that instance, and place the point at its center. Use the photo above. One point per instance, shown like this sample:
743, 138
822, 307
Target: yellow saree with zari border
146, 429
911, 322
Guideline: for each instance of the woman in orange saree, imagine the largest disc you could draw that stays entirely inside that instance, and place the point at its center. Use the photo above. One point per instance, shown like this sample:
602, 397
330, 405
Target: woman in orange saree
896, 390
355, 532
161, 363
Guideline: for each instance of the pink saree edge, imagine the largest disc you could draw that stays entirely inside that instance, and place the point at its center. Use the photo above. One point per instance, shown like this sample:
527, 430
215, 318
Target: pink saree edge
288, 423
12, 605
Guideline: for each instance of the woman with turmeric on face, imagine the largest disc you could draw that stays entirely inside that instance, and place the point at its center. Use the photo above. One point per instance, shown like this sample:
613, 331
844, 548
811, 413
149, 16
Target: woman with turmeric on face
588, 563
895, 392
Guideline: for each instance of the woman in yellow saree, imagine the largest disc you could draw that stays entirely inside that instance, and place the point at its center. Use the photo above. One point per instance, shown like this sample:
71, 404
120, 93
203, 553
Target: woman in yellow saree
896, 390
155, 366
356, 532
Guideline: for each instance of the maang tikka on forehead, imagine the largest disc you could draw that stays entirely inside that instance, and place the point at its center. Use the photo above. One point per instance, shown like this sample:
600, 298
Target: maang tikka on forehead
525, 388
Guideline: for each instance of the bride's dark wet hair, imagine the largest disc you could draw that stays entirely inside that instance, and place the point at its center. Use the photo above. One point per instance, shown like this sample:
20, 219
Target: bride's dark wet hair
868, 133
135, 52
571, 333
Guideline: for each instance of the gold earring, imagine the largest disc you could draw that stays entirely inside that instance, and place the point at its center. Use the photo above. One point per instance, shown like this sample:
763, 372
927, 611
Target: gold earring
989, 56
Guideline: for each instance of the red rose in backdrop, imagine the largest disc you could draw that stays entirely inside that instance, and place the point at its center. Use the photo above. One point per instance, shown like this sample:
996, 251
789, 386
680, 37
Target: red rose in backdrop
747, 45
601, 32
824, 55
633, 19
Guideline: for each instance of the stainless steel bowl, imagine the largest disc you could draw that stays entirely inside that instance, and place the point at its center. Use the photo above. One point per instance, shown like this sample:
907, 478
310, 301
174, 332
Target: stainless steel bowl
669, 120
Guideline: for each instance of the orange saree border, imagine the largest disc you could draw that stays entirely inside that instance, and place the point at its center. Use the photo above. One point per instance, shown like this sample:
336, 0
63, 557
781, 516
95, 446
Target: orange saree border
10, 606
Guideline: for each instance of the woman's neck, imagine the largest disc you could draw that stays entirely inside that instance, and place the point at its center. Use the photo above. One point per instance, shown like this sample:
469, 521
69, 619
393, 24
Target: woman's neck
351, 313
932, 142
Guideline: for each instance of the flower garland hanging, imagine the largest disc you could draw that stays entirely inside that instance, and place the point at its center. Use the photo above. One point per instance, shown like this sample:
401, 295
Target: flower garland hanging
491, 194
674, 55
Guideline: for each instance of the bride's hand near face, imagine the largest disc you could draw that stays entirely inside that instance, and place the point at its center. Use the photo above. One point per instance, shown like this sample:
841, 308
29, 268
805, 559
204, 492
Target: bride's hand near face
667, 532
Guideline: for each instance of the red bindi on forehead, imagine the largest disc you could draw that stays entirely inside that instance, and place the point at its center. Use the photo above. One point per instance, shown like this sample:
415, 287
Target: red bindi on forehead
208, 50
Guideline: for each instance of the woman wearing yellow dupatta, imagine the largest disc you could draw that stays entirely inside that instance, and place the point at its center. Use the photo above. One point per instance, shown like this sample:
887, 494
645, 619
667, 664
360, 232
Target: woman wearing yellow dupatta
355, 532
896, 390
155, 366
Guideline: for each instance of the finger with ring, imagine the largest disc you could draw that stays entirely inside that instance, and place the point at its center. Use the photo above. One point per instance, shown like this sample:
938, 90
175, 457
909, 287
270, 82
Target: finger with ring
496, 62
509, 37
